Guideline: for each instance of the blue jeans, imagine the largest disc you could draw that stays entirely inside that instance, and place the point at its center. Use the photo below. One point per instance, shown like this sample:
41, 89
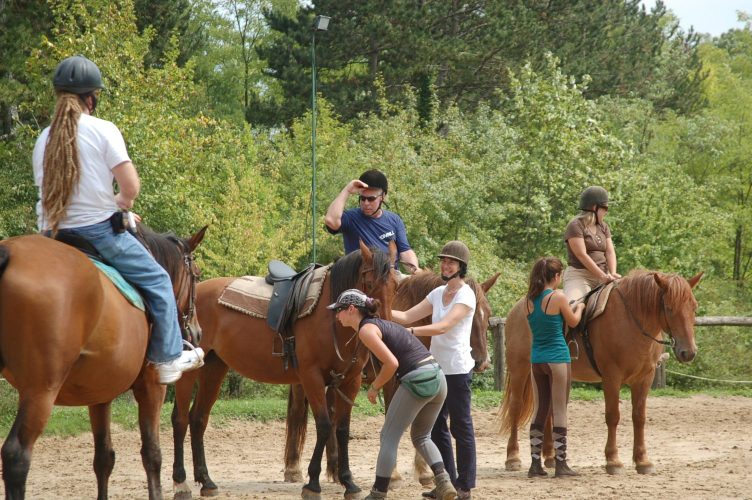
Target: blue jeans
124, 252
457, 407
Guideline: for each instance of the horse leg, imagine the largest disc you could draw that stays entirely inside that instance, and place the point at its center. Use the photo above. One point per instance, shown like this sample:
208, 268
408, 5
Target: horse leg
611, 396
296, 427
639, 404
150, 397
104, 454
547, 451
210, 382
343, 411
520, 399
183, 393
33, 413
422, 470
312, 489
332, 447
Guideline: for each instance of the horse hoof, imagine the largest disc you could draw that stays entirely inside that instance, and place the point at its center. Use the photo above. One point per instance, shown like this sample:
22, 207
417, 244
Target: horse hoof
353, 495
550, 463
307, 494
209, 491
182, 491
425, 480
615, 469
293, 476
646, 468
513, 464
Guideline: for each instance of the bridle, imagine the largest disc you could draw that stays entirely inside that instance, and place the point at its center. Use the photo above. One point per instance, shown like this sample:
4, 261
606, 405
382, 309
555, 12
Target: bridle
671, 342
193, 271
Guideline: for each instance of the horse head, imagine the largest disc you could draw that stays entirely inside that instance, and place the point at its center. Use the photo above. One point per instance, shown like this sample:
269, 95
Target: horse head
481, 318
378, 279
679, 306
175, 255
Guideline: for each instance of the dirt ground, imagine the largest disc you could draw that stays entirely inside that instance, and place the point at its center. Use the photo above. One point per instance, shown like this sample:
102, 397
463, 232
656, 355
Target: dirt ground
701, 446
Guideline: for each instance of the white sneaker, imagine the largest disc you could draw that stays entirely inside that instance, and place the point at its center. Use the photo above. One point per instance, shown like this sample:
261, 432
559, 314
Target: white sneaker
171, 371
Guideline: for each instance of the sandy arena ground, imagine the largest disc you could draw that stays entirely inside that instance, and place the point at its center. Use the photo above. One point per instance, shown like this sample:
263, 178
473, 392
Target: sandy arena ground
701, 446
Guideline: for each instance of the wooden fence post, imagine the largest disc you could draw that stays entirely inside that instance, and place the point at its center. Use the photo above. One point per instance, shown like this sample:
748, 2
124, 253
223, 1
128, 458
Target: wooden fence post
497, 327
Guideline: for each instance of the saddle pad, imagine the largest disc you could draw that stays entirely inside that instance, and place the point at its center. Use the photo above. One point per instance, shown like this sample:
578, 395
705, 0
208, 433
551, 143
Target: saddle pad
251, 294
597, 304
128, 291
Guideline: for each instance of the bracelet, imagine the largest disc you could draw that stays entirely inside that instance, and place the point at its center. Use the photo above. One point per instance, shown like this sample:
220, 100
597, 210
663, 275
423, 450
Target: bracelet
412, 331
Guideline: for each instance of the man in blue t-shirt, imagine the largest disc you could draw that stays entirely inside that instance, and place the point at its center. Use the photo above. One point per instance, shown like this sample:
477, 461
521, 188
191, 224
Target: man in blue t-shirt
370, 222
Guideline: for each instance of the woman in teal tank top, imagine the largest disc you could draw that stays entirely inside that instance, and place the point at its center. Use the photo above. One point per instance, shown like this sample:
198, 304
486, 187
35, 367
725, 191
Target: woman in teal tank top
548, 309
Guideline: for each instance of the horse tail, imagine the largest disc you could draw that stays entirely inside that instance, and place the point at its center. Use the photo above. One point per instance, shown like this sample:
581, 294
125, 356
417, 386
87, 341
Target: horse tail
516, 409
296, 424
517, 405
4, 258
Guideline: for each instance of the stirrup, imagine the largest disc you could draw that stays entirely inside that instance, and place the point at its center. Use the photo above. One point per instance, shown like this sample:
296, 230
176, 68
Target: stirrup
575, 356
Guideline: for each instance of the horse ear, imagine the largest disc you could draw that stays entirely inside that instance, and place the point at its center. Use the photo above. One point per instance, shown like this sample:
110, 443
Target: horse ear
366, 253
392, 251
661, 280
694, 280
197, 238
486, 285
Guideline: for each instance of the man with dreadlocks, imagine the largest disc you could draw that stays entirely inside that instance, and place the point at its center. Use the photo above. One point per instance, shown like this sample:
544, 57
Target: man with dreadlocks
75, 161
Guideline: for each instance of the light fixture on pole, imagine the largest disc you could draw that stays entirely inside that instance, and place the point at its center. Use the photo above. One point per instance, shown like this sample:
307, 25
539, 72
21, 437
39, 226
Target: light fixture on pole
320, 23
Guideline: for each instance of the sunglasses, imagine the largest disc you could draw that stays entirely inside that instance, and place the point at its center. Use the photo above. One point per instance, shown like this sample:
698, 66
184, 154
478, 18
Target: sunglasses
340, 309
369, 198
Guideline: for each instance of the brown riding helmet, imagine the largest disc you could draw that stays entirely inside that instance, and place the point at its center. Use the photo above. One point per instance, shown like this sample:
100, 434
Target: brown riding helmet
456, 250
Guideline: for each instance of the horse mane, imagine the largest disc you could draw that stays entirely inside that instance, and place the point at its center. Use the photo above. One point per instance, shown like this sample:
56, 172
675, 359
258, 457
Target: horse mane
345, 272
166, 248
644, 294
415, 288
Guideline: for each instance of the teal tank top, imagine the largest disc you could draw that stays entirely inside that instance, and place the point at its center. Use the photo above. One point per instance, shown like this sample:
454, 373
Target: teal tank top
549, 345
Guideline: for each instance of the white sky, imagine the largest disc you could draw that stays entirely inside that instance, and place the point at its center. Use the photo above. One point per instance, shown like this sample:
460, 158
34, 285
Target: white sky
706, 16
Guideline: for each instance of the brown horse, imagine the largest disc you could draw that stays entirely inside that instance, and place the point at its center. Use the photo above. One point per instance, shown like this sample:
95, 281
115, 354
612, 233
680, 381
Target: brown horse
69, 337
626, 345
410, 292
328, 355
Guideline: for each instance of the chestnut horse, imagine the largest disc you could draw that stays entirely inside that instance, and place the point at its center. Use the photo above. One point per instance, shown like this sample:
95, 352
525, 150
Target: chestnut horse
69, 337
410, 292
626, 344
328, 355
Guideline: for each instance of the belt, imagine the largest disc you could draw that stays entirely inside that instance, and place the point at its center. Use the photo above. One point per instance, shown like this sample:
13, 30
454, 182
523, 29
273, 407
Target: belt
429, 361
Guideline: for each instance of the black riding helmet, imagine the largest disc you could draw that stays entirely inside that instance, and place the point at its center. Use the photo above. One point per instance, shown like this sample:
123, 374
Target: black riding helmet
78, 75
593, 195
375, 179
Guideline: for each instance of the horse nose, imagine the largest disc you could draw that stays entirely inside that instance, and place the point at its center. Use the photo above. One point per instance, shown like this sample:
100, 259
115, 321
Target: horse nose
685, 355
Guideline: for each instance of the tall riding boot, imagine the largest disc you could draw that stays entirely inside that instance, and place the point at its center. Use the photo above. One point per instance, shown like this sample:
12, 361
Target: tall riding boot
560, 447
536, 441
444, 489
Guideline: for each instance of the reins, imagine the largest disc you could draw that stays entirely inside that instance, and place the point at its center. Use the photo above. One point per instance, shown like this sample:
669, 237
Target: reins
671, 342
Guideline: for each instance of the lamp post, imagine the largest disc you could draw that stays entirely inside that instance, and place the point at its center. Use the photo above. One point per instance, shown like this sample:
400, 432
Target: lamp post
320, 23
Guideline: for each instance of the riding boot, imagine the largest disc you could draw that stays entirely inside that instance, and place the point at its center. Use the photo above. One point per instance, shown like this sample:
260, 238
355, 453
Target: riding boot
536, 469
536, 441
560, 447
375, 495
444, 489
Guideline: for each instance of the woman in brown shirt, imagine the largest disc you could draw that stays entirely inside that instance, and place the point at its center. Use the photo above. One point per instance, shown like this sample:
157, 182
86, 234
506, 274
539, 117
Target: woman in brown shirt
590, 251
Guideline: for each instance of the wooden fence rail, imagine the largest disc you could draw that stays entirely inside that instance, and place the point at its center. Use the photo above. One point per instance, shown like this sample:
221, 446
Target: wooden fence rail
496, 325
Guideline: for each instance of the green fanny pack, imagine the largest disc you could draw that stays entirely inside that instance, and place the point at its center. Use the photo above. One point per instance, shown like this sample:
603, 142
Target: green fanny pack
423, 383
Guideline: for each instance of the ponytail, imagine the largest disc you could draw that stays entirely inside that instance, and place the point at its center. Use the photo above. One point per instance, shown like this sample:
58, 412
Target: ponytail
62, 169
543, 271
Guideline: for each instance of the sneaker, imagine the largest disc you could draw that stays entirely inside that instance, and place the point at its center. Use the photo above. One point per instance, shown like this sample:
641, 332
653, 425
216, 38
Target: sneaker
171, 371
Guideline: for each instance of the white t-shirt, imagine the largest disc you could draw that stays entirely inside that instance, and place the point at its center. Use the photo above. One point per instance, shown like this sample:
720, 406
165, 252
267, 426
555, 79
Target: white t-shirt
100, 149
452, 349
